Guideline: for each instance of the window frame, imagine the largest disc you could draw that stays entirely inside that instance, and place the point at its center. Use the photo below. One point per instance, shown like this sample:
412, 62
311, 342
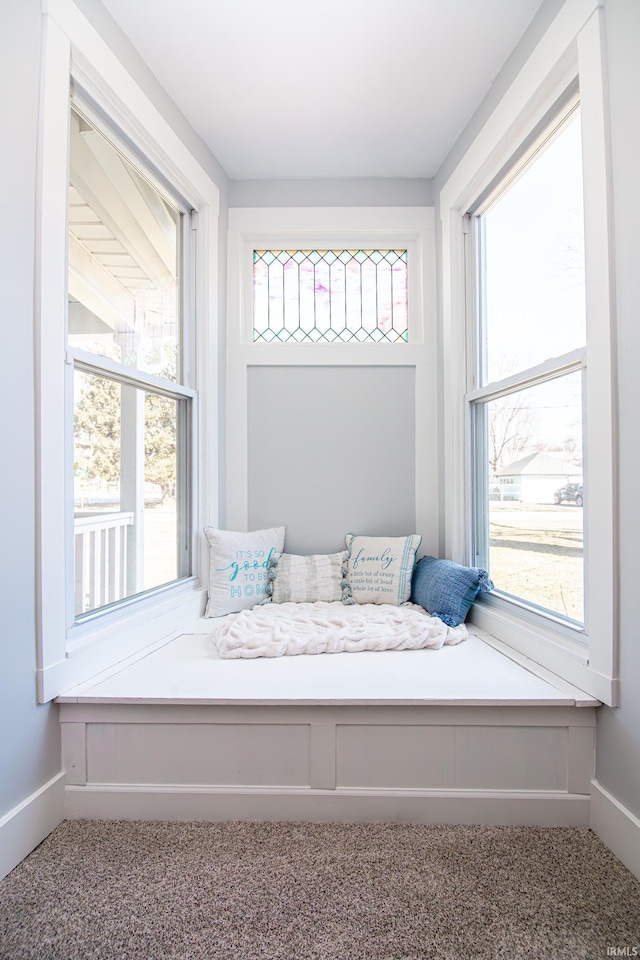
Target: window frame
80, 360
570, 53
74, 55
322, 338
481, 390
323, 228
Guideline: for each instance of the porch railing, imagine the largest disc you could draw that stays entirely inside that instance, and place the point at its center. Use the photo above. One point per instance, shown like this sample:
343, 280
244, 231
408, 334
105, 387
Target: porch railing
100, 559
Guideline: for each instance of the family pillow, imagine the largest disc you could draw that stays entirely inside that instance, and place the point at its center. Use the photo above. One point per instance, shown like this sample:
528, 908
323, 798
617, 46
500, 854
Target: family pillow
379, 568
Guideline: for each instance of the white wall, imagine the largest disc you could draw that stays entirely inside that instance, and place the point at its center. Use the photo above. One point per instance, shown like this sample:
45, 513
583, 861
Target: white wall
30, 742
618, 731
360, 192
331, 451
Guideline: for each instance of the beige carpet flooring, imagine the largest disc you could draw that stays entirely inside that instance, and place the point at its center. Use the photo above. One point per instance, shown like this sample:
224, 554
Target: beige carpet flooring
290, 891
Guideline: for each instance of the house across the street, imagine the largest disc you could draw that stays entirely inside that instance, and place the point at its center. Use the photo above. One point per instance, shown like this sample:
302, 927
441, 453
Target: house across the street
535, 478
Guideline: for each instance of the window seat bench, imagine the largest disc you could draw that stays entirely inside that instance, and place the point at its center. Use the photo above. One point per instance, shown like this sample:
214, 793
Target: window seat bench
459, 735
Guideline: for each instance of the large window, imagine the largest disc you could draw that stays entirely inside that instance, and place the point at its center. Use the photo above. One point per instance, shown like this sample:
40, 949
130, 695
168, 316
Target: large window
528, 381
529, 365
131, 410
127, 266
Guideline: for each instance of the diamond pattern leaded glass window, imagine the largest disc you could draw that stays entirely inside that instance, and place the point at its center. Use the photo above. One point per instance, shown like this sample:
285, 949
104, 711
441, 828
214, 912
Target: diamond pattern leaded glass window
327, 295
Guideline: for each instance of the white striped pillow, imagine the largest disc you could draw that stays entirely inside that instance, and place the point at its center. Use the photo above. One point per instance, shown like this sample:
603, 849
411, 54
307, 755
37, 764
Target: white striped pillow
297, 579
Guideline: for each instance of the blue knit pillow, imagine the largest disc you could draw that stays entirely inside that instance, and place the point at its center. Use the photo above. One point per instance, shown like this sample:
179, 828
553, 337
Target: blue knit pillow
446, 590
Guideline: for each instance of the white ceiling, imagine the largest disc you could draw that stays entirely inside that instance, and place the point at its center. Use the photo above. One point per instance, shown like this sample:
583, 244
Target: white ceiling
288, 89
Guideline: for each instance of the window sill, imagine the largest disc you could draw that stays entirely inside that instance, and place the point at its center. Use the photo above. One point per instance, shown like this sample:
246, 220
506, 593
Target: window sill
93, 628
103, 642
185, 670
540, 647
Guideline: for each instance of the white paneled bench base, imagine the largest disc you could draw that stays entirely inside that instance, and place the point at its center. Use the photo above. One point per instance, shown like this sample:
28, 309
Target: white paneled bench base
459, 735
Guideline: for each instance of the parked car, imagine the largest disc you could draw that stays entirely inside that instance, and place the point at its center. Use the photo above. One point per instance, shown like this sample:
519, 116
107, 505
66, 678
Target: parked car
571, 493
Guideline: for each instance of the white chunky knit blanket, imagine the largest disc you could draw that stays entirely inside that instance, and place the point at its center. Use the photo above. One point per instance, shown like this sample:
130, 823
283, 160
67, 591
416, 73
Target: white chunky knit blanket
288, 629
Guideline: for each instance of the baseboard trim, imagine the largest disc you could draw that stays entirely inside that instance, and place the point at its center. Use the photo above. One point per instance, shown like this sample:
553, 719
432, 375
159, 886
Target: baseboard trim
178, 802
24, 827
616, 826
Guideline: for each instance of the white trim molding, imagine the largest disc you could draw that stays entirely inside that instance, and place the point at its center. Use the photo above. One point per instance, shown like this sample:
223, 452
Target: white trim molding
486, 807
27, 825
616, 826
